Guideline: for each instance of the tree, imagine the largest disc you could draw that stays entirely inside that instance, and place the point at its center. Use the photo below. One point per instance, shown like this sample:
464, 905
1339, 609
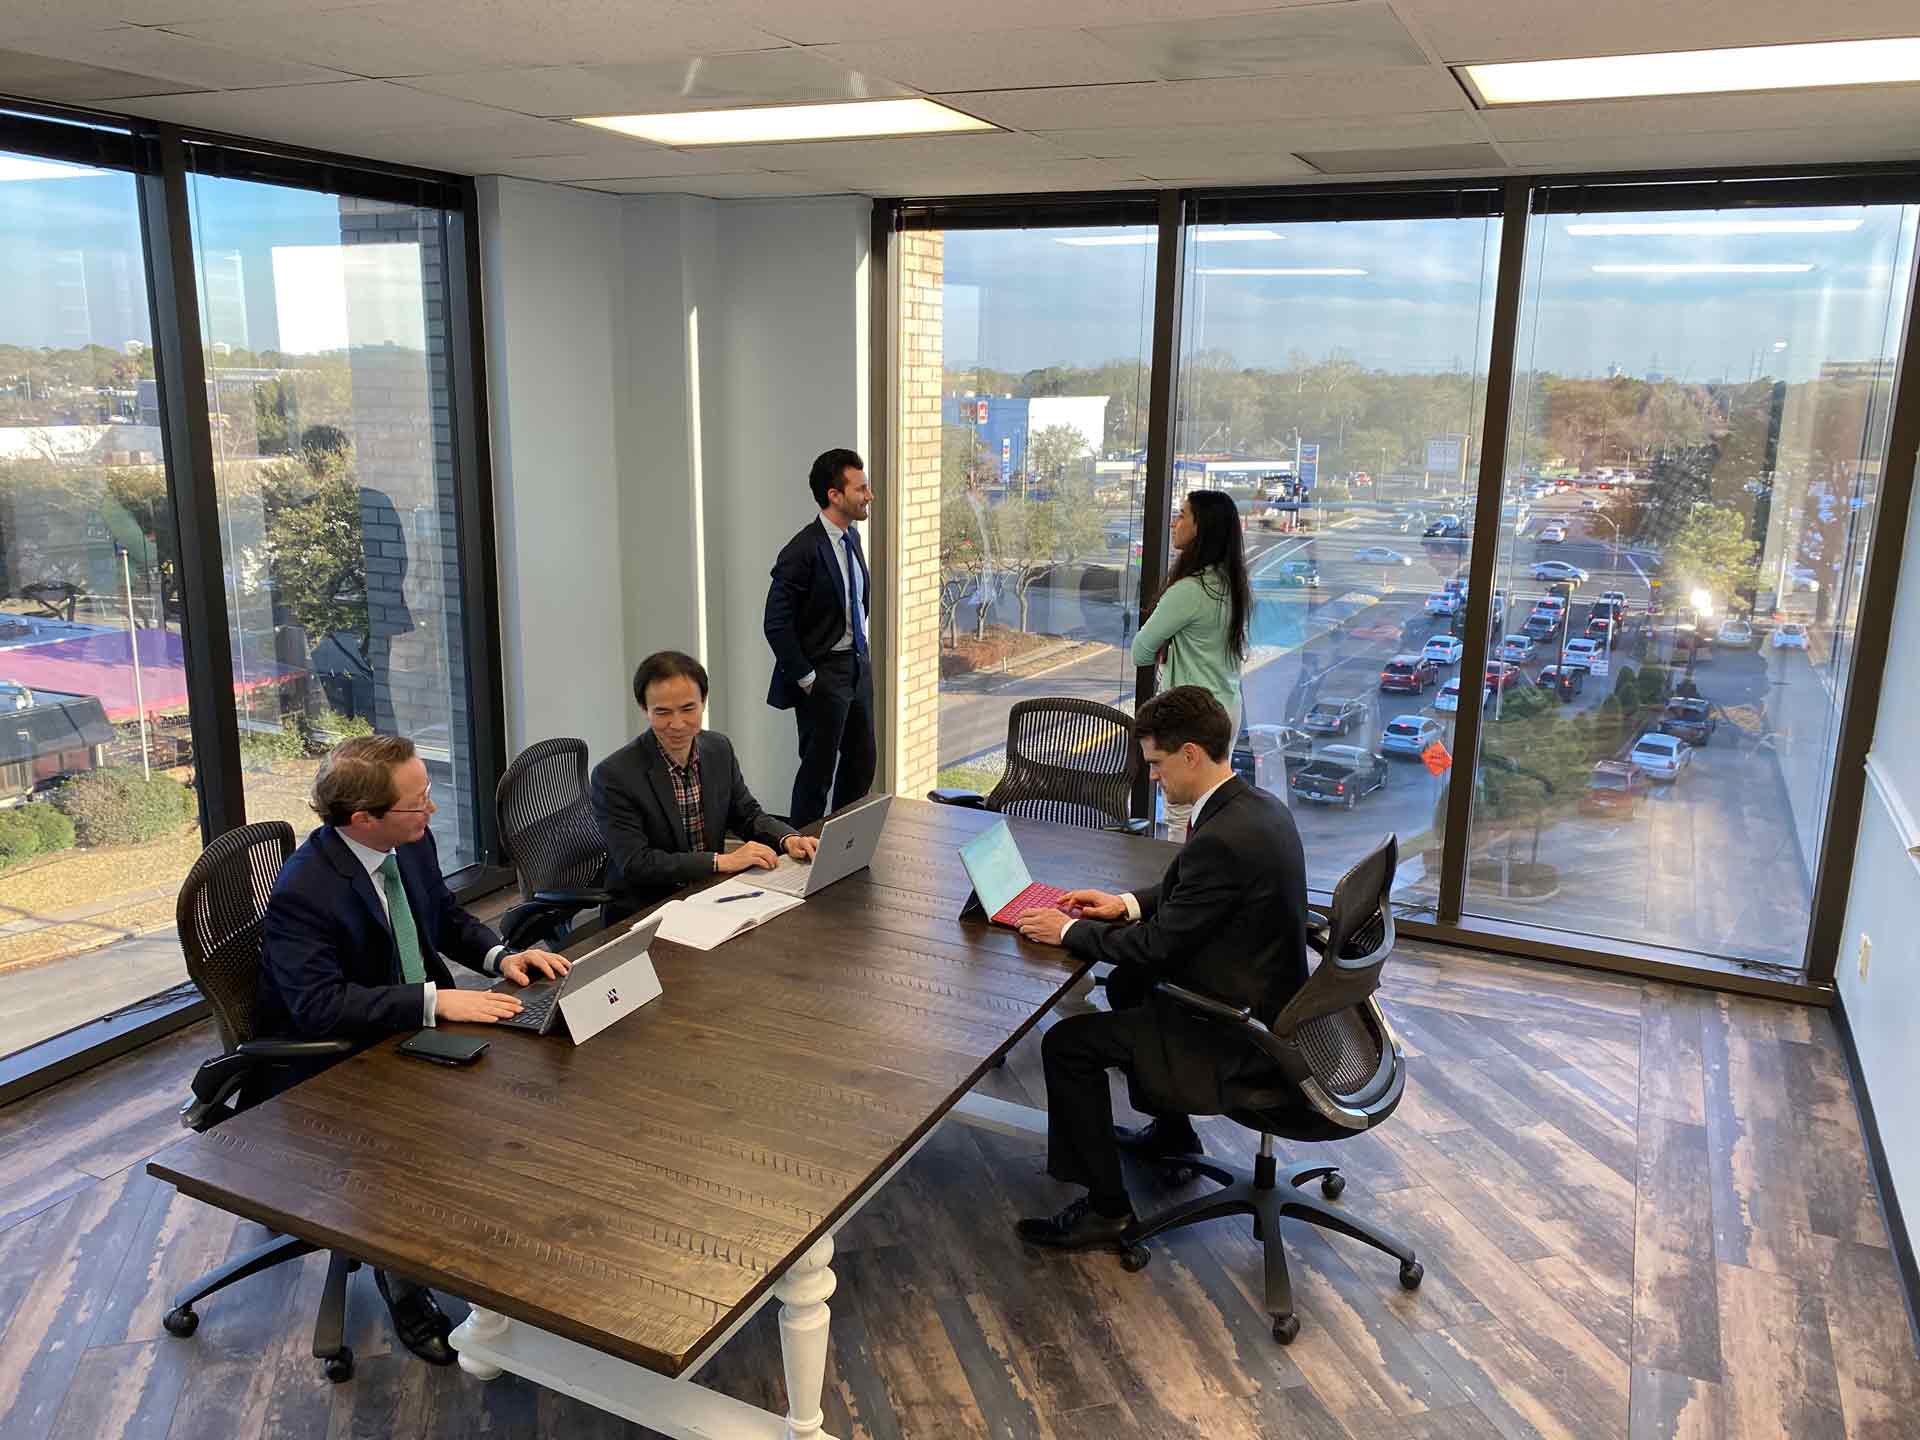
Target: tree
1050, 451
1036, 536
315, 550
965, 553
1713, 552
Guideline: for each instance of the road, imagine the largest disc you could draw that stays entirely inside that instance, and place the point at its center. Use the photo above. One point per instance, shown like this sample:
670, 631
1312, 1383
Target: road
1712, 863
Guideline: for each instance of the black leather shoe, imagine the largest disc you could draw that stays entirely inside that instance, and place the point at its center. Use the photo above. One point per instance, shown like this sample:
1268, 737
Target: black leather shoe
418, 1322
1078, 1227
1155, 1139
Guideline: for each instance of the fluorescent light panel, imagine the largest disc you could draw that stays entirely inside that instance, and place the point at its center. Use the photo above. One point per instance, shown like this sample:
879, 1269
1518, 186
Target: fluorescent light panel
1716, 227
1702, 269
1698, 72
771, 124
1278, 270
1204, 237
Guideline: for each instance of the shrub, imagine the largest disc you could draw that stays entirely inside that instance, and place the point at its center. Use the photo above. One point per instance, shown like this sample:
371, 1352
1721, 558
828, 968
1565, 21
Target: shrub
263, 747
18, 839
118, 807
54, 829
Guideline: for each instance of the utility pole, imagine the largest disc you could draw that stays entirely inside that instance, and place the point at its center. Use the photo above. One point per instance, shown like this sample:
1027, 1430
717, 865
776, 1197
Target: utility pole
133, 648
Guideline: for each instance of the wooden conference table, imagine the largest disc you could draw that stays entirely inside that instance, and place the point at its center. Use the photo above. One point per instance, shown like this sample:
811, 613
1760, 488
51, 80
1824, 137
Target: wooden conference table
615, 1211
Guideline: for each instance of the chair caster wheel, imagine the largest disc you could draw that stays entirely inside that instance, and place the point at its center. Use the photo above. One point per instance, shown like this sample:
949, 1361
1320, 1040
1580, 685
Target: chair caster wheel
1332, 1185
1411, 1274
181, 1321
1134, 1258
339, 1367
1286, 1327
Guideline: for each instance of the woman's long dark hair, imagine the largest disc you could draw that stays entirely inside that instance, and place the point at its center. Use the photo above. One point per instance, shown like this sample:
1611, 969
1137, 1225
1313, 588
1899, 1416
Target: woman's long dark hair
1218, 545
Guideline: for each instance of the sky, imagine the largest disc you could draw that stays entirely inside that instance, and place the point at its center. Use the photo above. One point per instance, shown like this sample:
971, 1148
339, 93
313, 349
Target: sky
1021, 299
272, 271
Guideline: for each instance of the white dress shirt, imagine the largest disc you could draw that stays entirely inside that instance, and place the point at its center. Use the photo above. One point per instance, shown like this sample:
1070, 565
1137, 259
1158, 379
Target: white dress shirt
836, 542
373, 860
1127, 899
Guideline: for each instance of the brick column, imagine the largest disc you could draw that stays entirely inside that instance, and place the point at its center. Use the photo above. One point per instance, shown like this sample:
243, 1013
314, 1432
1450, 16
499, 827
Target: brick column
920, 259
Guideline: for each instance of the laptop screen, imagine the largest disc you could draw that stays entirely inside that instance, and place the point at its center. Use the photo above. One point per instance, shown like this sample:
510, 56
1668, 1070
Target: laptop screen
994, 865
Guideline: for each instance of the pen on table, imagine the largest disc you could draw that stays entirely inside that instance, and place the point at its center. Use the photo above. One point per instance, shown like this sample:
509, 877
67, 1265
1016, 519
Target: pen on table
749, 895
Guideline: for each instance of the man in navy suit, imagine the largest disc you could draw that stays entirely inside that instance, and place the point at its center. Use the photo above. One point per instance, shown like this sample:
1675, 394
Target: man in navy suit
356, 925
816, 622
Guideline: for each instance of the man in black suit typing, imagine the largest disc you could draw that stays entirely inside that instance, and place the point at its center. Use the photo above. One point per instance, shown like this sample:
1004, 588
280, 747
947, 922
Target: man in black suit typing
1228, 920
356, 925
666, 800
816, 622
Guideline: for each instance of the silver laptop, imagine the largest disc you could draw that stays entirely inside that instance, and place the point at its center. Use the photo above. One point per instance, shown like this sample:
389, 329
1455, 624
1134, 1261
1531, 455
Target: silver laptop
847, 843
604, 985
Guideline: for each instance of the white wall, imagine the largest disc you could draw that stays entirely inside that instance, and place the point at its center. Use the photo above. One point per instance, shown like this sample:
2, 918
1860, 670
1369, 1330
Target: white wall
1884, 902
663, 369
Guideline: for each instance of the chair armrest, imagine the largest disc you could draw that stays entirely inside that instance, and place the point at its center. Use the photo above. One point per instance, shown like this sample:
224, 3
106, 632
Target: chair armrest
575, 899
1131, 827
271, 1051
966, 799
217, 1081
1319, 926
1205, 1005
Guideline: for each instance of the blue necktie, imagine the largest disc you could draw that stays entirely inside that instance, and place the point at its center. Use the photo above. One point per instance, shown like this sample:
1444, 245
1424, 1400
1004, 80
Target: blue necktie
853, 595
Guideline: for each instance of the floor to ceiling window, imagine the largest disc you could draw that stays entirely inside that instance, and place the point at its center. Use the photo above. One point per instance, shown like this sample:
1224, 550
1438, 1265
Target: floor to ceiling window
97, 817
1700, 413
1332, 384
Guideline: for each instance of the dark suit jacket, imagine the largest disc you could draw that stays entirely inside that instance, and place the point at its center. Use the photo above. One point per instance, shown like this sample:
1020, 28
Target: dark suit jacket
648, 855
1229, 919
807, 610
329, 968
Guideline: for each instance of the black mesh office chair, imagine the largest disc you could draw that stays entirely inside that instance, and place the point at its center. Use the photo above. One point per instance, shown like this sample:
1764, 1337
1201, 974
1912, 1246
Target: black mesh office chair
1069, 761
1338, 1070
548, 833
221, 916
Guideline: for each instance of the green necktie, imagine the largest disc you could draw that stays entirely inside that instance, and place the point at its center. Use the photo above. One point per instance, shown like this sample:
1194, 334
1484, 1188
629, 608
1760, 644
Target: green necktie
413, 969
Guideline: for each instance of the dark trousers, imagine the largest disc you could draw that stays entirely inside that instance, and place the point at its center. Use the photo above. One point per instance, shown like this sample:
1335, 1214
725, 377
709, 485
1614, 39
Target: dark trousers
837, 753
1075, 1056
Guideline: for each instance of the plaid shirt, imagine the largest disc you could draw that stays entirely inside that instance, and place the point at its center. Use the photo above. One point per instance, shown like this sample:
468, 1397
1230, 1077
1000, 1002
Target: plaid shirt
686, 790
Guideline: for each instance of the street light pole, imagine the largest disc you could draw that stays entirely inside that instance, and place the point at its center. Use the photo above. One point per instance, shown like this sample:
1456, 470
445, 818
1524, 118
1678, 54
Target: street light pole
133, 648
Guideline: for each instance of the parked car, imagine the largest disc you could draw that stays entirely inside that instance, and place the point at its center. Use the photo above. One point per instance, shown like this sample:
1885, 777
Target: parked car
1557, 570
1581, 652
1517, 648
1448, 700
1411, 674
1791, 635
1660, 757
1410, 735
1445, 602
1444, 649
1688, 718
1502, 676
1340, 775
1612, 789
1735, 632
1334, 717
1552, 535
1380, 555
1565, 681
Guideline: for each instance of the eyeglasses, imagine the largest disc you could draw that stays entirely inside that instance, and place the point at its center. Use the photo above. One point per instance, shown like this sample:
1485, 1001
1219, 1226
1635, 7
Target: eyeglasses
425, 807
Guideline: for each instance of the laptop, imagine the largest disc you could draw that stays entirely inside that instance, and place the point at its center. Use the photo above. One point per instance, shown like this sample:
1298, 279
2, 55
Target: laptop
847, 843
1003, 890
603, 985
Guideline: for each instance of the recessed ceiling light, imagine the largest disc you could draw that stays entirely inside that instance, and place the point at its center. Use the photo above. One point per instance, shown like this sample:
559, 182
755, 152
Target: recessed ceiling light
1205, 237
1278, 270
771, 124
1697, 72
1702, 269
1717, 227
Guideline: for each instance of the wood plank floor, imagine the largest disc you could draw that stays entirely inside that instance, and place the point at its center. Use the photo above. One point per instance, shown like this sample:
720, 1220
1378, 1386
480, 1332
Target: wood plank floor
1643, 1210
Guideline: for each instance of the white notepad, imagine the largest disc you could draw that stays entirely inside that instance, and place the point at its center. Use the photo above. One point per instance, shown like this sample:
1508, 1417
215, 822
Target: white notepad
702, 922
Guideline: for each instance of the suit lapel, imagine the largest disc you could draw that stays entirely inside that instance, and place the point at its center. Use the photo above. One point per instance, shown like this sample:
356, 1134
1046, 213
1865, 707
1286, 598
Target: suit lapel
713, 800
832, 571
1220, 797
663, 788
348, 864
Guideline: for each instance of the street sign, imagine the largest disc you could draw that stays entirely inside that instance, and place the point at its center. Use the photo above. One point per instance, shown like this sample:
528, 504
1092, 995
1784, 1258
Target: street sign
1446, 455
1308, 465
1006, 453
1436, 758
980, 412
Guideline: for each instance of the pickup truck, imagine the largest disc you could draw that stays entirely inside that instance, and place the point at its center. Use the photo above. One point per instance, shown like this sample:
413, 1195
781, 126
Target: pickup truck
1688, 720
1334, 717
1340, 775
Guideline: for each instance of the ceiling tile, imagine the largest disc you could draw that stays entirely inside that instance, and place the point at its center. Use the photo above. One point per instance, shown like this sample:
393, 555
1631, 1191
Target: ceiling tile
638, 163
721, 187
1896, 107
1312, 37
1467, 30
1327, 94
1437, 127
825, 22
756, 77
44, 77
355, 107
1005, 62
431, 37
987, 148
1759, 147
1405, 160
1181, 166
171, 57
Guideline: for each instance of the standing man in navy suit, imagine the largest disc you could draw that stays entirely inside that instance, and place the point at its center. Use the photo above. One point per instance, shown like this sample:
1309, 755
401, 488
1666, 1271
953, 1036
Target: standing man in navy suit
817, 610
356, 925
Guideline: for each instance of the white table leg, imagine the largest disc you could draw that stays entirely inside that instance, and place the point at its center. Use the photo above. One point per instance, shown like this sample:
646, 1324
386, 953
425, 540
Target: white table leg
803, 1293
481, 1325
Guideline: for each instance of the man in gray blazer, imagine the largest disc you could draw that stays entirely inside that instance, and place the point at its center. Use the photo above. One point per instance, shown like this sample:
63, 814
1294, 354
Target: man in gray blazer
667, 800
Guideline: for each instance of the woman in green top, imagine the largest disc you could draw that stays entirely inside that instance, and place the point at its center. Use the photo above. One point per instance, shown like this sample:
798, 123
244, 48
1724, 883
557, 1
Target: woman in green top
1198, 630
